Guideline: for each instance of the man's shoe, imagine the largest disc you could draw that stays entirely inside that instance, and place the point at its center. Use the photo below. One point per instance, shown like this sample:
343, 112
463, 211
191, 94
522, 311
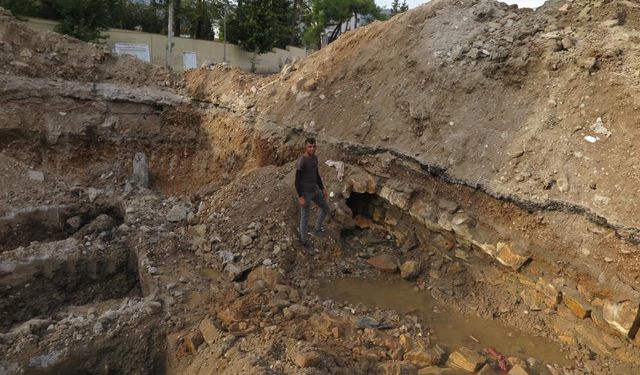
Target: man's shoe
319, 232
306, 247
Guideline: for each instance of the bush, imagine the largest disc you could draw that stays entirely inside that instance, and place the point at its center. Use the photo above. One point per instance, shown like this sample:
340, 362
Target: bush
83, 19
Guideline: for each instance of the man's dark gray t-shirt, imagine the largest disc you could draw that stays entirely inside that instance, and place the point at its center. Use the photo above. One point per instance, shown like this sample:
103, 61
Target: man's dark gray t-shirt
307, 177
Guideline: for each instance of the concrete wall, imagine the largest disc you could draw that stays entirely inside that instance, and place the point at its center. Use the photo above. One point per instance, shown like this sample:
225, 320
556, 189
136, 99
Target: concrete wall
205, 50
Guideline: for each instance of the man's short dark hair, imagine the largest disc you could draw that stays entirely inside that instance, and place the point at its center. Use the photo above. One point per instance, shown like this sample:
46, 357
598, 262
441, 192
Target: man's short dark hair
310, 141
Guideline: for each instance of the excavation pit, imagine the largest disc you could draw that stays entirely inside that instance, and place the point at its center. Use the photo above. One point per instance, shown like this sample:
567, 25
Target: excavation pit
388, 233
49, 223
41, 280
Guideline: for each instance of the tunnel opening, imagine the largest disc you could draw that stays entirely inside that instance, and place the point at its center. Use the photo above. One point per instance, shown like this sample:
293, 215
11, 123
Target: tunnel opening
362, 204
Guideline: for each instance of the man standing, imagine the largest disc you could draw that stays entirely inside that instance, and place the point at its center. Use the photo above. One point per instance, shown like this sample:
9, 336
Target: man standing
310, 188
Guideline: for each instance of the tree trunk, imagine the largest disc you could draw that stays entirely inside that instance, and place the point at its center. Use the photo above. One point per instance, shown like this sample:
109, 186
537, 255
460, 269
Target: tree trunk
199, 15
176, 17
294, 22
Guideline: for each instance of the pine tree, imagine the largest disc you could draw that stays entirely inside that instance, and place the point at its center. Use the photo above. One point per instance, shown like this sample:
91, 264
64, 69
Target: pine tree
324, 13
395, 7
404, 7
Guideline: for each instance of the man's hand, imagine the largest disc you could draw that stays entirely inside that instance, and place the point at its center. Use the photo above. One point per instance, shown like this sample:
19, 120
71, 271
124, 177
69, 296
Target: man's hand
301, 200
324, 194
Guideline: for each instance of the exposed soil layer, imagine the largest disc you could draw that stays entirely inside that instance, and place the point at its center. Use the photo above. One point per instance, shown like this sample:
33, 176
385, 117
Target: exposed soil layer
45, 288
49, 223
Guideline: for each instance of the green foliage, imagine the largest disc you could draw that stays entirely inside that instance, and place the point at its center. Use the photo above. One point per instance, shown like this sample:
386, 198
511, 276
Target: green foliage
48, 9
404, 7
254, 24
30, 8
83, 19
324, 13
198, 16
395, 7
129, 15
260, 25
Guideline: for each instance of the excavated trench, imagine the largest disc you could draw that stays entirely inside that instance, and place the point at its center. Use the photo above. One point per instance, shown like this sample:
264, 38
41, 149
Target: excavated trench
22, 226
477, 252
68, 272
475, 249
43, 289
451, 271
71, 266
60, 256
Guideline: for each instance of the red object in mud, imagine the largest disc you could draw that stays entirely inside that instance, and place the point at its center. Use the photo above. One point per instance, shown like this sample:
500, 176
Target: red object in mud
503, 364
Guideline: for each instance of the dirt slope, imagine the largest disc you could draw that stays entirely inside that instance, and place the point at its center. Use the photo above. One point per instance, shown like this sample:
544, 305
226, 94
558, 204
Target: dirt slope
497, 97
29, 52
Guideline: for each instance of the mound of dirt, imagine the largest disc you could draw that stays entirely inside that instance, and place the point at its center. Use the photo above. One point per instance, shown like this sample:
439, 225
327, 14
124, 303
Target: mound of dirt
34, 53
503, 99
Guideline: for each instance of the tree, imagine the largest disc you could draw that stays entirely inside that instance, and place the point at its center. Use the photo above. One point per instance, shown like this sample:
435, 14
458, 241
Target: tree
325, 13
395, 7
127, 14
256, 23
30, 8
83, 19
259, 25
404, 7
176, 15
199, 16
294, 21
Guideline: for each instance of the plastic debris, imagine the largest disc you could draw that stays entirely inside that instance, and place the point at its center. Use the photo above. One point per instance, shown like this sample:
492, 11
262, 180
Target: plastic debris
339, 166
503, 363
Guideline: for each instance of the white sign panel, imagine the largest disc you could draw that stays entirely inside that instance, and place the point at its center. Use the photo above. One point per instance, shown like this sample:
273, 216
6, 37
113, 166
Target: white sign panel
189, 60
140, 51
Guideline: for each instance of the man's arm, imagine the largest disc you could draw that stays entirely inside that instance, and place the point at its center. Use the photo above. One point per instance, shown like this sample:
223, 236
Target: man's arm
299, 182
320, 184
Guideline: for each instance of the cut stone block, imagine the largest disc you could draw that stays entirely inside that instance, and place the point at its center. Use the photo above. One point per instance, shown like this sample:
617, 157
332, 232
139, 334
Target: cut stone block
36, 175
576, 303
397, 198
517, 370
623, 316
533, 299
551, 289
466, 359
210, 333
509, 257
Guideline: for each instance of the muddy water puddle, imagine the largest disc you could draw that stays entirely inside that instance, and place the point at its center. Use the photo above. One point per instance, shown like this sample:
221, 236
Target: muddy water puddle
449, 329
211, 274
